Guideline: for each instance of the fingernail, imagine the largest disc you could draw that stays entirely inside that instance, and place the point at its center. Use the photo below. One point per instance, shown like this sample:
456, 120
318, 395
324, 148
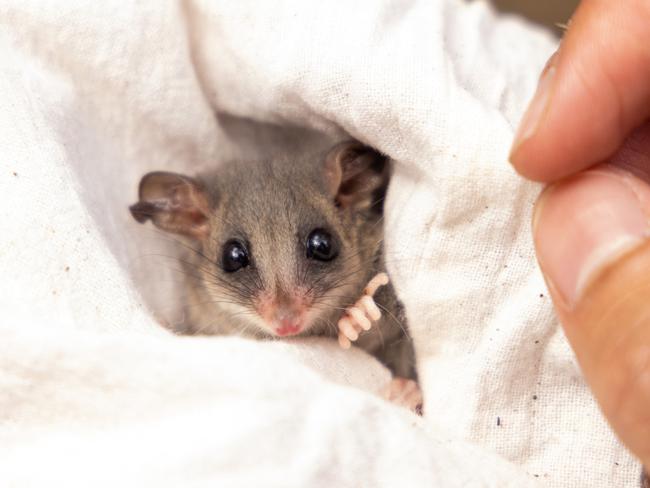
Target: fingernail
583, 225
537, 108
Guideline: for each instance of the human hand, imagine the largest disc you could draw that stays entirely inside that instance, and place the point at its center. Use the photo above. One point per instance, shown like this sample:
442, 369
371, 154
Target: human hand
587, 134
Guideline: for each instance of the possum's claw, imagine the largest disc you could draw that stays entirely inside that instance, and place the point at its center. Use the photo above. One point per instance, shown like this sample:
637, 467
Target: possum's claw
362, 314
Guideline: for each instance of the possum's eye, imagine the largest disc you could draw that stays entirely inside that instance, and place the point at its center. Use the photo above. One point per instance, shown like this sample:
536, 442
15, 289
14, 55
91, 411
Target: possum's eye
234, 257
321, 245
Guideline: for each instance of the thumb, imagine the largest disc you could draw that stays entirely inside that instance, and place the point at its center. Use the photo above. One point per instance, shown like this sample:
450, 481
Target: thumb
591, 233
594, 91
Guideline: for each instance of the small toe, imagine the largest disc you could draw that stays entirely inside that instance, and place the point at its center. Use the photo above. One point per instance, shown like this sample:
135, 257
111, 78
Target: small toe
380, 279
370, 307
346, 327
406, 393
360, 318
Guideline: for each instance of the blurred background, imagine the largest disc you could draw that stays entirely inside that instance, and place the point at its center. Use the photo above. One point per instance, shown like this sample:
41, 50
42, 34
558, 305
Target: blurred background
552, 13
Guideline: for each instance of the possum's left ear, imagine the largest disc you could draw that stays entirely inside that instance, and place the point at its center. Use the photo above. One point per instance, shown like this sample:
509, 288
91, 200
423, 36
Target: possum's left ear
356, 175
174, 203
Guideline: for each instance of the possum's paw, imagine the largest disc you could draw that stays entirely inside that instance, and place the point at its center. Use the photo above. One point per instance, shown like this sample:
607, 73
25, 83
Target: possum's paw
362, 314
405, 393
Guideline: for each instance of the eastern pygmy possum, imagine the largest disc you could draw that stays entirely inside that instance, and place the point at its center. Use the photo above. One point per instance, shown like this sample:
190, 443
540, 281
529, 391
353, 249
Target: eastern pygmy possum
280, 248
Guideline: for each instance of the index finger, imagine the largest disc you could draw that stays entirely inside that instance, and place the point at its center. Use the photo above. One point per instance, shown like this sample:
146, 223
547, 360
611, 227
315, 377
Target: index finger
593, 93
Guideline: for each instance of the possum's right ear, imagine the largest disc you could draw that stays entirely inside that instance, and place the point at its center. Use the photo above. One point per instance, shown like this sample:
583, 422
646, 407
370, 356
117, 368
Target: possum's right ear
174, 203
356, 175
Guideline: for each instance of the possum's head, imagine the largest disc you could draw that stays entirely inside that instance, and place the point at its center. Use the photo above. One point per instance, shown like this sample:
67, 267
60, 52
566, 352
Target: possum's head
282, 246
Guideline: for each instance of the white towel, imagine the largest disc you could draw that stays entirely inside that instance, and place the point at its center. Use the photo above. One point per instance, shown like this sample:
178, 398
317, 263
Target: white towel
94, 392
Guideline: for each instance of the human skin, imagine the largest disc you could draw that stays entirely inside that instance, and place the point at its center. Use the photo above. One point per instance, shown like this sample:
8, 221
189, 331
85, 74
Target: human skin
586, 134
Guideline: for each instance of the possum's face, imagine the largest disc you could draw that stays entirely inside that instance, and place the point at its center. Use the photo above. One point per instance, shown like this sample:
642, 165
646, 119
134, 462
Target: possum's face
282, 251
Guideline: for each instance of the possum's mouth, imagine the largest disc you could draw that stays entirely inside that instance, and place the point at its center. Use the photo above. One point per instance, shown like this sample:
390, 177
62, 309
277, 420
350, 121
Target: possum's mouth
304, 322
288, 330
290, 324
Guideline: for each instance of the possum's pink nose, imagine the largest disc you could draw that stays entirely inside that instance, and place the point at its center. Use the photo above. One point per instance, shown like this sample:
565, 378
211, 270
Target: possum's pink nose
285, 314
287, 321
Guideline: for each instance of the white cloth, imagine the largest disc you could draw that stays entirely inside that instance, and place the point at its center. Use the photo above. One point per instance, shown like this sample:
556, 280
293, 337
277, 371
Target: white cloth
93, 392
